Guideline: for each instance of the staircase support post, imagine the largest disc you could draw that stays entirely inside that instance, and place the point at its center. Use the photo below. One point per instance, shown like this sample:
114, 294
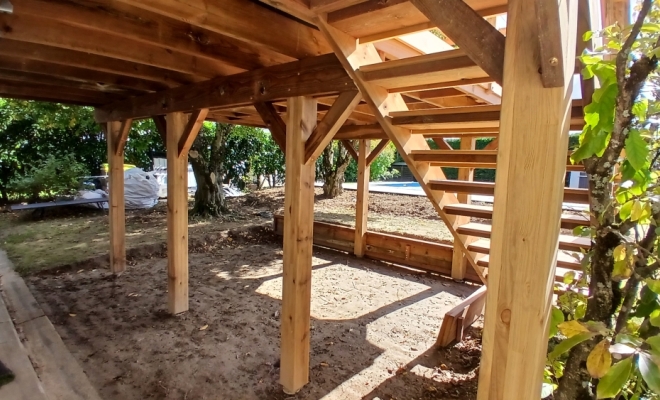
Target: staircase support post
362, 204
529, 189
116, 207
459, 262
298, 236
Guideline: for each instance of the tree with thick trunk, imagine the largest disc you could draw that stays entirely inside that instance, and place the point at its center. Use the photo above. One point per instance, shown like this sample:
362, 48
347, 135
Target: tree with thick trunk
207, 157
334, 161
622, 267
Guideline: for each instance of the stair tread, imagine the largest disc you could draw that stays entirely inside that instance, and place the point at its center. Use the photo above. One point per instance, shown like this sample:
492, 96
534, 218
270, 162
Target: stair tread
427, 69
566, 242
487, 116
568, 221
571, 195
560, 271
469, 158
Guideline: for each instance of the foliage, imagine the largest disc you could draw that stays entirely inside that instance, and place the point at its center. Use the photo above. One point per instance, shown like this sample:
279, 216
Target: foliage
381, 167
53, 177
605, 329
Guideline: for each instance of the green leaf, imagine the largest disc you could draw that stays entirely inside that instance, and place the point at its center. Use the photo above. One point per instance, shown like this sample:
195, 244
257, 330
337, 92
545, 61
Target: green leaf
653, 284
625, 210
572, 328
569, 278
587, 35
654, 318
568, 344
591, 119
556, 318
640, 109
654, 342
648, 368
612, 383
636, 150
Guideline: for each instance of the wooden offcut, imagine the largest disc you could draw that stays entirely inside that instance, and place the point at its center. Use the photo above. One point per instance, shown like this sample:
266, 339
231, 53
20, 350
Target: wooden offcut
177, 216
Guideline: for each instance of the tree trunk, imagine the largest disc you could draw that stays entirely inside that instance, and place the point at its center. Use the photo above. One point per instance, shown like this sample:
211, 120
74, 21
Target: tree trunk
209, 171
334, 162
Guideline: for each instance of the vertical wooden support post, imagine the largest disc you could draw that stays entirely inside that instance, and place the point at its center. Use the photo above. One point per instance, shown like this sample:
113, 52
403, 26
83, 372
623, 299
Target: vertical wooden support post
459, 261
116, 207
298, 235
528, 197
177, 216
362, 204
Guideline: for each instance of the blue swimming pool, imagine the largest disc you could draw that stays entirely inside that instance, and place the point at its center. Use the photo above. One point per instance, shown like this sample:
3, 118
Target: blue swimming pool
398, 184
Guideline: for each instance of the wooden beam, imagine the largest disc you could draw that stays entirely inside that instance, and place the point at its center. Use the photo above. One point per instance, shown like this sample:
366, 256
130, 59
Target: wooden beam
441, 85
314, 76
523, 251
123, 136
116, 207
333, 120
325, 6
351, 150
13, 89
193, 126
119, 19
362, 204
274, 123
177, 216
547, 16
123, 73
442, 144
370, 131
246, 21
481, 41
161, 126
28, 28
298, 239
377, 150
298, 8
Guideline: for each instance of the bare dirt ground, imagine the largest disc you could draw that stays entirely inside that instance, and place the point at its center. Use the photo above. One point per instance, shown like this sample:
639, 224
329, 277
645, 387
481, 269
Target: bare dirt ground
373, 327
69, 235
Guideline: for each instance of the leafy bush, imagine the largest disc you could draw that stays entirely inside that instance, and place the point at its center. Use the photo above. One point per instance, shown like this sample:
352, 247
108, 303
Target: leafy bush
53, 177
381, 167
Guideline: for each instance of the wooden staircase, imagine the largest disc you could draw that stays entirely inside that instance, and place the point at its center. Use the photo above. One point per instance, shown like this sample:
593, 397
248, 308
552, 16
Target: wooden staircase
383, 85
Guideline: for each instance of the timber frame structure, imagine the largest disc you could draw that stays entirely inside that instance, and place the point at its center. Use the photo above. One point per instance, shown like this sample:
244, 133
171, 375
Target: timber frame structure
349, 70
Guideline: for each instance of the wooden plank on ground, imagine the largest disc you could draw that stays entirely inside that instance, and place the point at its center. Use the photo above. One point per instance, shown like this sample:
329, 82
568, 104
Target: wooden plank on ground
298, 240
177, 216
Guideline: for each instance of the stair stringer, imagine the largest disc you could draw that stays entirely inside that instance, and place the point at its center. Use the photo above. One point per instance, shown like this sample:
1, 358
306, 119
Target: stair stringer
352, 56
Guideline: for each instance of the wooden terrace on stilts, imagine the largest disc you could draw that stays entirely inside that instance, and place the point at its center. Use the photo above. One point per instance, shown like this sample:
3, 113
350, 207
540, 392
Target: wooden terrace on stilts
365, 72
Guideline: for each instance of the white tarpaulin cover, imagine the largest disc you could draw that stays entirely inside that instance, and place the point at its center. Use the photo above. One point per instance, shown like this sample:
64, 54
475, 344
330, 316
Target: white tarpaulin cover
140, 190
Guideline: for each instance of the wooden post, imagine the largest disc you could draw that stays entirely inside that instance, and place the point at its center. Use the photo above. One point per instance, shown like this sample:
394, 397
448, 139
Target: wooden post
298, 235
362, 204
116, 207
528, 197
177, 216
459, 261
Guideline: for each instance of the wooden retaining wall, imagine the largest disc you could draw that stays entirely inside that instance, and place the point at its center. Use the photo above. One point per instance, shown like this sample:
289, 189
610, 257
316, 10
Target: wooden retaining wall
416, 253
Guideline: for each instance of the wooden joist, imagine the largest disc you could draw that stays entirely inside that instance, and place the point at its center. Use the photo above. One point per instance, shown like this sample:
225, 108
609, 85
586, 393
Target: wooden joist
350, 132
568, 221
313, 76
566, 261
571, 195
429, 69
566, 242
483, 117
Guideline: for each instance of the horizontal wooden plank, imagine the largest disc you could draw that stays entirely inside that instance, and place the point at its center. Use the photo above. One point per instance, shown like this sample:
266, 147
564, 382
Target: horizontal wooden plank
432, 68
566, 242
351, 132
465, 117
565, 263
571, 195
469, 159
568, 221
312, 76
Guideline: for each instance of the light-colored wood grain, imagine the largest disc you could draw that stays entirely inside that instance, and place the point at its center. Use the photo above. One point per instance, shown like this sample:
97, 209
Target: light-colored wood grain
298, 239
362, 204
459, 262
382, 145
116, 207
123, 136
274, 122
193, 126
177, 216
530, 177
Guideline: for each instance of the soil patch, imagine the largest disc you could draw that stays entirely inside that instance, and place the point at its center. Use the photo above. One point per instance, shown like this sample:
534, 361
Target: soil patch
373, 326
